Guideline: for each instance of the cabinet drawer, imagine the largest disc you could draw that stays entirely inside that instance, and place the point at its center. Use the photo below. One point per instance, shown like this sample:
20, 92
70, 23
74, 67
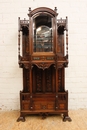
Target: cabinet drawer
44, 105
62, 106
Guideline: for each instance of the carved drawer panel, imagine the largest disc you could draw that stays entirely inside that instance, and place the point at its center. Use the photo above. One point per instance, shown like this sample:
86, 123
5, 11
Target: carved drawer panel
61, 101
62, 106
44, 105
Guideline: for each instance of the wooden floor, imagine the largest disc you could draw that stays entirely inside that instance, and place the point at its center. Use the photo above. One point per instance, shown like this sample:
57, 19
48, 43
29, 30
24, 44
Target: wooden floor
79, 121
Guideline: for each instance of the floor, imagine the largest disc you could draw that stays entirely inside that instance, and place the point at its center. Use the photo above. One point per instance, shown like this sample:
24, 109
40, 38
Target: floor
79, 121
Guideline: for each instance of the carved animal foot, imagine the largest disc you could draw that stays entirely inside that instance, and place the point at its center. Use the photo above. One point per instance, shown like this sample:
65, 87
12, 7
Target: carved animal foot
21, 118
67, 118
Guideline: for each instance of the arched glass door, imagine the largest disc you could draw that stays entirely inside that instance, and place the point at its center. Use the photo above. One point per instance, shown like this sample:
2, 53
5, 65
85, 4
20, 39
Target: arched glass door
42, 34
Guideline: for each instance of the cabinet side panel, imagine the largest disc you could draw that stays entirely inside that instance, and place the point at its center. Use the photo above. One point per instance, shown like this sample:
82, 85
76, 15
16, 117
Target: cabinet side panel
26, 80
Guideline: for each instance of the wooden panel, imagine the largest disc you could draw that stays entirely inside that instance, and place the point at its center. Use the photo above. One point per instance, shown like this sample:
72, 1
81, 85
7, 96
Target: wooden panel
44, 105
25, 105
60, 48
62, 106
43, 80
26, 80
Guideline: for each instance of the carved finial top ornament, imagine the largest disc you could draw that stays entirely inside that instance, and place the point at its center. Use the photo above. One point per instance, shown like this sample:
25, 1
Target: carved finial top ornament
29, 10
55, 9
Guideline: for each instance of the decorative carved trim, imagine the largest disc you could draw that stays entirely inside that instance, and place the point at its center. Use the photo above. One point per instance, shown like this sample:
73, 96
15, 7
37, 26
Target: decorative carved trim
43, 65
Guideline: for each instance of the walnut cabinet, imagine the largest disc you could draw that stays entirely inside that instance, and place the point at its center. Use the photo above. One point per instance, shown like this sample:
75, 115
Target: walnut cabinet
43, 57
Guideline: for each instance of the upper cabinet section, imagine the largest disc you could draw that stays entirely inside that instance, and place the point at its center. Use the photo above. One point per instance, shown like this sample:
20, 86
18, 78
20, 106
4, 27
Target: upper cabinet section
43, 36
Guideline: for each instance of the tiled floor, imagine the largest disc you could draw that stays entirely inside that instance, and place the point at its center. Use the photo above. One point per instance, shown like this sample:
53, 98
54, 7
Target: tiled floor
79, 121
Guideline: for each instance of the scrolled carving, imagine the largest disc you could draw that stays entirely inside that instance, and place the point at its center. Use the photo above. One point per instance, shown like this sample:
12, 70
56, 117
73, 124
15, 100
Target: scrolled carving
43, 65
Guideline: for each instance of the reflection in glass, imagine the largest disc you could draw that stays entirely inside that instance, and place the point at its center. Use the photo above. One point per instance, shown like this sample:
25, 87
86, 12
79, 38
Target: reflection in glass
42, 41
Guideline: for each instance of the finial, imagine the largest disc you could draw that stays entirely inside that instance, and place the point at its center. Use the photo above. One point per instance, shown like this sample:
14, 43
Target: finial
55, 9
29, 9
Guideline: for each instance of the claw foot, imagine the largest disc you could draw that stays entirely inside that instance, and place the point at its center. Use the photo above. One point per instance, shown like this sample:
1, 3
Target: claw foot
67, 118
21, 118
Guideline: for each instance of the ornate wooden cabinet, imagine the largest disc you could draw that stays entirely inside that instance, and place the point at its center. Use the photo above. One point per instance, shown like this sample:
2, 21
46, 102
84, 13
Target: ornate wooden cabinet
43, 40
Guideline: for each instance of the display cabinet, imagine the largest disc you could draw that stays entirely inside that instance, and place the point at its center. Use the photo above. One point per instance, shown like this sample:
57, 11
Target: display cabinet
43, 57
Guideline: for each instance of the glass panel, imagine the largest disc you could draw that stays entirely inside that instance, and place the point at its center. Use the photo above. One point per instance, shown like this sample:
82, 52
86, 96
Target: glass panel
42, 40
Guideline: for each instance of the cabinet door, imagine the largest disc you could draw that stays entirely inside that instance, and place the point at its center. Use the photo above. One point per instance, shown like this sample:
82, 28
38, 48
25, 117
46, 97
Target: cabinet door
43, 30
43, 80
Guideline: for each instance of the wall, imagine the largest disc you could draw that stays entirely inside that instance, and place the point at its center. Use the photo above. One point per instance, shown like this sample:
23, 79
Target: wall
11, 75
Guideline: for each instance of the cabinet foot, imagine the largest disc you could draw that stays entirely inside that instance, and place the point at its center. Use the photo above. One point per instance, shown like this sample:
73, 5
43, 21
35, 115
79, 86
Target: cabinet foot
67, 118
21, 118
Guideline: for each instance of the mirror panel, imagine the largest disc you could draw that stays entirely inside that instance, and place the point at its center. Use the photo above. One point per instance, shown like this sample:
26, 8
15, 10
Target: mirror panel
42, 34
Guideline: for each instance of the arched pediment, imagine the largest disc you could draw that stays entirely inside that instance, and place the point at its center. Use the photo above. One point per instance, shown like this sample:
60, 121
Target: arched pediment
42, 10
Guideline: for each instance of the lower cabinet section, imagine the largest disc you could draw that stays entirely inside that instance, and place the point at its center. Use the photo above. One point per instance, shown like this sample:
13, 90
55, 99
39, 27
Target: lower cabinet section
44, 104
47, 102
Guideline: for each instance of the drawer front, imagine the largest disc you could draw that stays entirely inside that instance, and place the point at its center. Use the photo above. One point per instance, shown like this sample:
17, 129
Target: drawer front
62, 106
44, 105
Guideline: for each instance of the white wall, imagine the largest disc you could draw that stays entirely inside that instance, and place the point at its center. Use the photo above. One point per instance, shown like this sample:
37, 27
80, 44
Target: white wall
11, 74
